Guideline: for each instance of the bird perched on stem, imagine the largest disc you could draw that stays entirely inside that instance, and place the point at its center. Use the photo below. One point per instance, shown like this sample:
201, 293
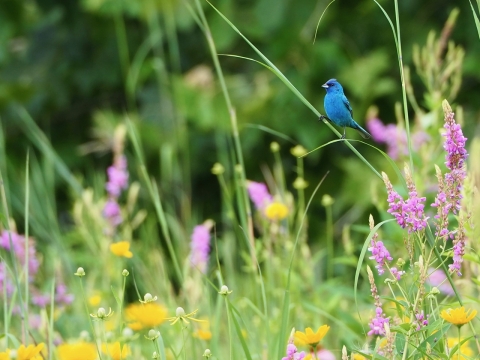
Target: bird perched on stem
338, 108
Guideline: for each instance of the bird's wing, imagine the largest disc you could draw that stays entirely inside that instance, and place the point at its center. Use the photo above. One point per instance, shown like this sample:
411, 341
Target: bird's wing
347, 105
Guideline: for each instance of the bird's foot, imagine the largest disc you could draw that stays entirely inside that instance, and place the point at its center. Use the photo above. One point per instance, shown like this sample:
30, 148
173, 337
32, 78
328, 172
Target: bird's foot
322, 117
343, 137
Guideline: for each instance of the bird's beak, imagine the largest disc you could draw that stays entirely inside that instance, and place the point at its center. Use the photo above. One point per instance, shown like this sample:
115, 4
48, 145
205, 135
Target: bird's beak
325, 86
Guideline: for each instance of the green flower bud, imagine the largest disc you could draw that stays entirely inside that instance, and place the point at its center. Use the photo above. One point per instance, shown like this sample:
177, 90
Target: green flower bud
80, 272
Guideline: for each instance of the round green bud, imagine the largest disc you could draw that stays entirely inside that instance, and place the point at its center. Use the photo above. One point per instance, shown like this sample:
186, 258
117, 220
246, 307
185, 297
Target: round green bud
179, 312
80, 272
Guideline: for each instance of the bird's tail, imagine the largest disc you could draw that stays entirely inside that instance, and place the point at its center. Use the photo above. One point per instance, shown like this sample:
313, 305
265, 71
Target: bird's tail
365, 134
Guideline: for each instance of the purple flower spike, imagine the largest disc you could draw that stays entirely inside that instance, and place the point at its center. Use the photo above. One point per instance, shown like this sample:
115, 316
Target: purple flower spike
458, 249
450, 186
409, 213
397, 273
421, 320
62, 297
259, 194
413, 208
111, 212
200, 246
380, 254
394, 137
117, 177
293, 354
18, 244
377, 324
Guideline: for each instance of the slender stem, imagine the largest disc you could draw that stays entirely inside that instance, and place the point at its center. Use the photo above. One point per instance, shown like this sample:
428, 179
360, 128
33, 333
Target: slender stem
122, 43
301, 190
122, 299
229, 320
404, 91
26, 269
184, 344
405, 348
330, 251
94, 334
279, 174
51, 320
459, 346
6, 316
248, 223
104, 333
13, 259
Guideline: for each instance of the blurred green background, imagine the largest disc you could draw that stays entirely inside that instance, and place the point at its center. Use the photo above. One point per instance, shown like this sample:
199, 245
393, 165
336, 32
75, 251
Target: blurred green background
78, 67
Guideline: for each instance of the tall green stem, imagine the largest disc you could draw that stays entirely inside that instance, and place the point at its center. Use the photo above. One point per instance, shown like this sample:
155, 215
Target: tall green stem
247, 222
26, 269
404, 91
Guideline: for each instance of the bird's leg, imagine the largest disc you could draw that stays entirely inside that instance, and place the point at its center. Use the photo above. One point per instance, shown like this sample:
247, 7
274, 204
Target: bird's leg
322, 117
343, 136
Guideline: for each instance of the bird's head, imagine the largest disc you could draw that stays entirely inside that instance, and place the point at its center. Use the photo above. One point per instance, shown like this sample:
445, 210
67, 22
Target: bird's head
333, 86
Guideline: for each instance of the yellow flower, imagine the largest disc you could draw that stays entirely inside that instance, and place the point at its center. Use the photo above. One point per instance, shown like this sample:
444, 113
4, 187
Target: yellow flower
143, 316
359, 357
30, 352
77, 351
464, 353
203, 334
458, 316
115, 352
121, 248
276, 211
311, 338
94, 300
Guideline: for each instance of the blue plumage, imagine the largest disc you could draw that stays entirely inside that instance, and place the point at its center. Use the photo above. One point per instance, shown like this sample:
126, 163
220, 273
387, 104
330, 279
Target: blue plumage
338, 108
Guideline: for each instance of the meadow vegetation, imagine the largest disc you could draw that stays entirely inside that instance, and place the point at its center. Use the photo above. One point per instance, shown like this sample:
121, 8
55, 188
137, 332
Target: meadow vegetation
164, 195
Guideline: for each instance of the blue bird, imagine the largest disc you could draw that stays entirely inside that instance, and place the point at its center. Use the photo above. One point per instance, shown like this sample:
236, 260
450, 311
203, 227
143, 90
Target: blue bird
338, 108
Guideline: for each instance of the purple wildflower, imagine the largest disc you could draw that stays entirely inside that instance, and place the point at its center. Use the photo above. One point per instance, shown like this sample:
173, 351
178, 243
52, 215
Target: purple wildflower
458, 250
438, 279
18, 244
117, 177
377, 324
394, 137
410, 213
200, 246
41, 300
380, 254
397, 274
449, 194
420, 320
259, 194
5, 280
293, 354
62, 297
413, 208
111, 212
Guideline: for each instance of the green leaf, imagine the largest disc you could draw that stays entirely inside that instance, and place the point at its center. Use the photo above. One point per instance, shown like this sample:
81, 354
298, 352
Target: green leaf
475, 17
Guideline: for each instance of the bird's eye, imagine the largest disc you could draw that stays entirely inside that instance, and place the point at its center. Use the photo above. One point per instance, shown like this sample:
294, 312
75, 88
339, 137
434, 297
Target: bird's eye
331, 84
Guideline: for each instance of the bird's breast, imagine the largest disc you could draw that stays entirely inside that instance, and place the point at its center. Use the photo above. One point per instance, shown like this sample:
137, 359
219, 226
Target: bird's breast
336, 110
